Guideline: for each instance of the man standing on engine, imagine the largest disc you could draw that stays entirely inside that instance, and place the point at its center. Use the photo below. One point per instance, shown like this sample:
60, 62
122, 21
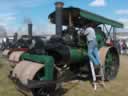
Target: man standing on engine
89, 32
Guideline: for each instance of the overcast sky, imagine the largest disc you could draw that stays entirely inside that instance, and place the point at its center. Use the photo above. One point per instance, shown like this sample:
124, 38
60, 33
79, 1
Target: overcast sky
13, 12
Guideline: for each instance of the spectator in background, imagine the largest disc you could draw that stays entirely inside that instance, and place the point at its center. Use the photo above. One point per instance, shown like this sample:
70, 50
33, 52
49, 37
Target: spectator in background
118, 46
124, 46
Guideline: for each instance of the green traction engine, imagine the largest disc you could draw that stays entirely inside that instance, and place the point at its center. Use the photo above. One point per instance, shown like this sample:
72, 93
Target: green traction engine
64, 55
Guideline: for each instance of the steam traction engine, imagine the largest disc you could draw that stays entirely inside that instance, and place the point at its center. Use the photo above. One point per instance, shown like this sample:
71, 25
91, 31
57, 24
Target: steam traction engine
49, 62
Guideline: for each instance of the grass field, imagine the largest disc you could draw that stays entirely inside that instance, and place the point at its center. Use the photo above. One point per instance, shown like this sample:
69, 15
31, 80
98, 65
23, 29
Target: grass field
117, 87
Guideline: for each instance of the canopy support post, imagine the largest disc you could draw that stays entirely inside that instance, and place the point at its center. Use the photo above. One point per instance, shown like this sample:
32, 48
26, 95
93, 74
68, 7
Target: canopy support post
114, 36
108, 31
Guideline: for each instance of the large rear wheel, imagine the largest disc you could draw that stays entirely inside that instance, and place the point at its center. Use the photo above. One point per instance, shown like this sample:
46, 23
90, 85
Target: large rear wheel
110, 59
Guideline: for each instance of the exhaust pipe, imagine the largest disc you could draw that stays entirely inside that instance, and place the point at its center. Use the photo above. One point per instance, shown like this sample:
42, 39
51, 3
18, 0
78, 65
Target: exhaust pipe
59, 6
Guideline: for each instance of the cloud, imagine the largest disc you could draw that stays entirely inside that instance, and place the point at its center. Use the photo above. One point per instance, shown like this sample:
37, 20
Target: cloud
10, 10
7, 18
98, 3
124, 21
21, 3
122, 12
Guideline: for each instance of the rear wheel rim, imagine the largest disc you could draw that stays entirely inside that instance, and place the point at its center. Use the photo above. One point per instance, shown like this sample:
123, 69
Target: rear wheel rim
111, 65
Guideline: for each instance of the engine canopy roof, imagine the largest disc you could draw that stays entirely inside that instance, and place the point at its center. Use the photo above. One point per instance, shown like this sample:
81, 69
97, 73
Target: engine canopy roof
81, 17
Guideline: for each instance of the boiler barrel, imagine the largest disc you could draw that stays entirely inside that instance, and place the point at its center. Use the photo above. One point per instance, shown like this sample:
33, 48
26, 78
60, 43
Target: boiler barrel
77, 55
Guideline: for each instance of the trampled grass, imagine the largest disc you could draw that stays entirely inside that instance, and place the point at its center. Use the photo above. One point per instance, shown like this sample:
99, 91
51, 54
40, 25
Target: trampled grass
117, 87
7, 88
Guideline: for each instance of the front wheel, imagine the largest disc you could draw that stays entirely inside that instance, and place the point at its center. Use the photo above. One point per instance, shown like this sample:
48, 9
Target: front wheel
44, 91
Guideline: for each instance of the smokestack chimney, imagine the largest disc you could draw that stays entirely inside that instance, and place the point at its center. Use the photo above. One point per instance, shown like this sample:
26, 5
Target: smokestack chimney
30, 29
59, 6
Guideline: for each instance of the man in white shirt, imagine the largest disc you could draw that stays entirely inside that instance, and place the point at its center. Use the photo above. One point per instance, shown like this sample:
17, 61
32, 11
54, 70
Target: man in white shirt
92, 45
